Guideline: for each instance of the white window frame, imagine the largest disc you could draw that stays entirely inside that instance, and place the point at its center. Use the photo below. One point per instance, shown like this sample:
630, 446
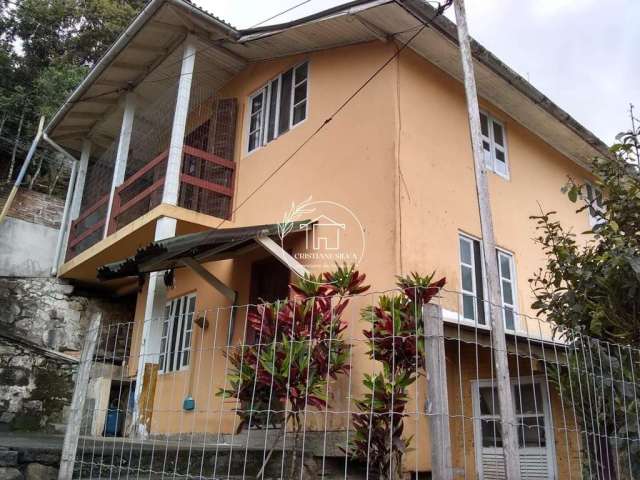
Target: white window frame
549, 448
491, 159
588, 198
470, 240
261, 118
179, 319
513, 282
266, 105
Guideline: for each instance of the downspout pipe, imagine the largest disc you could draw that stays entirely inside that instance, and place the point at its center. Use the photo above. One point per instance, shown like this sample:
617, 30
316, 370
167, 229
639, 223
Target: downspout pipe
67, 203
23, 170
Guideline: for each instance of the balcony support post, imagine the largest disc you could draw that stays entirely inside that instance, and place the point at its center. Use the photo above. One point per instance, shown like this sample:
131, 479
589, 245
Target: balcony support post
78, 191
165, 228
174, 160
122, 154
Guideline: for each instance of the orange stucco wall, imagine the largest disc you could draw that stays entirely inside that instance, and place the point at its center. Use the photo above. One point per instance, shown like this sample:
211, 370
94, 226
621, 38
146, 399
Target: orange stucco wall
399, 157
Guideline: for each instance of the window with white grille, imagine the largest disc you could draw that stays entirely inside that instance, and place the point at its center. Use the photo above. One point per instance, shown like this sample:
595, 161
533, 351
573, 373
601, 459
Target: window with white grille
494, 145
278, 106
175, 343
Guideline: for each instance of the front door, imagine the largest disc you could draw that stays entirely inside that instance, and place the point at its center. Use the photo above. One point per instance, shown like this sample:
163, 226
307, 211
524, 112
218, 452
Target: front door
269, 282
535, 432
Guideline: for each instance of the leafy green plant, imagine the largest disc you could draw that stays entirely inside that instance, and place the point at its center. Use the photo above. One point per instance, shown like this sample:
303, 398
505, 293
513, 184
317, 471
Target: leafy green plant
395, 339
300, 348
591, 293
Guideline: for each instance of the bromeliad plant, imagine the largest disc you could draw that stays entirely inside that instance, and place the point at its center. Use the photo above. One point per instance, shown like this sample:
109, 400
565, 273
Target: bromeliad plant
395, 338
300, 346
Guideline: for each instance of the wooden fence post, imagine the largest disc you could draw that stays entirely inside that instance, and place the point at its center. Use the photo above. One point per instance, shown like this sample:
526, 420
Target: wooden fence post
72, 433
437, 397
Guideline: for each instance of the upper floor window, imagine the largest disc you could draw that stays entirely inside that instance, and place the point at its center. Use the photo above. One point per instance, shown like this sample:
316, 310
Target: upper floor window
278, 106
175, 343
494, 145
473, 283
595, 204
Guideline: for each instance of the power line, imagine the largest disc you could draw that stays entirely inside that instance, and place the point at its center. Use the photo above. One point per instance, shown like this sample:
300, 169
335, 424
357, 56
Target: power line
439, 11
281, 13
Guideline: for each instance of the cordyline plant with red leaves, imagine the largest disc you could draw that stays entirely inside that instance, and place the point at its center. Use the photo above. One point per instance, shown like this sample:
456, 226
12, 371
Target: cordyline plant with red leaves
396, 339
300, 346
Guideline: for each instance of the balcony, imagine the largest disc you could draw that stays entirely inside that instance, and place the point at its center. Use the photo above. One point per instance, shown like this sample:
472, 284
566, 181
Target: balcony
206, 186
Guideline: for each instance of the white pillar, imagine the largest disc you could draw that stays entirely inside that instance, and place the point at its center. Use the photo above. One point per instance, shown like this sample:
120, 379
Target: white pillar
78, 192
154, 310
120, 167
65, 220
174, 161
80, 179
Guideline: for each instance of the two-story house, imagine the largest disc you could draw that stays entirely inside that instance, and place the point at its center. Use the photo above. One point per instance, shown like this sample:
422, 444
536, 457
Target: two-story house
198, 142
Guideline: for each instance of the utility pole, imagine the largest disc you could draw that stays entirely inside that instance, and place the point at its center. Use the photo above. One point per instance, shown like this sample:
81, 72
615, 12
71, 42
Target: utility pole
499, 343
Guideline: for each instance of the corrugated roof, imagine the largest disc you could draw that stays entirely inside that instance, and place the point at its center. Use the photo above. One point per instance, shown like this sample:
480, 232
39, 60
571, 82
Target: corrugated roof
165, 23
214, 244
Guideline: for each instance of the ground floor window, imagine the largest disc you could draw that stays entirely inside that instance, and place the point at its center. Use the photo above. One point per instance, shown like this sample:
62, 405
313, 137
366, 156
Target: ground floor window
175, 344
535, 432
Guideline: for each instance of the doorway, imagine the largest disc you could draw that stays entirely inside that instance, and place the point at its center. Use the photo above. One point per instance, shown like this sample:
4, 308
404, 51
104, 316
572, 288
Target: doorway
269, 282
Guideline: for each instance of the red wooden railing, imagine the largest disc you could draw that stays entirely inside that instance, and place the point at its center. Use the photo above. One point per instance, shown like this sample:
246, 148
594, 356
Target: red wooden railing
120, 207
208, 189
78, 231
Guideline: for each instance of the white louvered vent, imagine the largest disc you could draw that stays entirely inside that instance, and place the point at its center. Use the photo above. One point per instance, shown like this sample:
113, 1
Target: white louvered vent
532, 465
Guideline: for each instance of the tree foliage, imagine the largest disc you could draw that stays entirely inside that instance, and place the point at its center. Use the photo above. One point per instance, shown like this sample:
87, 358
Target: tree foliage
594, 288
590, 290
46, 48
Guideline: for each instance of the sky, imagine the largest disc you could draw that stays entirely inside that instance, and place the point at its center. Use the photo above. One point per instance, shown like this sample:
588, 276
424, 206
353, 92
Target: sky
579, 53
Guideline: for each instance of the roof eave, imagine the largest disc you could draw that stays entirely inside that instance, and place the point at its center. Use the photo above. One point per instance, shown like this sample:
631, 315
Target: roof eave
424, 12
121, 43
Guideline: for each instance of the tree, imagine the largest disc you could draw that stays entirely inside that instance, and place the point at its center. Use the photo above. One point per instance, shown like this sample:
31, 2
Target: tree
46, 48
591, 294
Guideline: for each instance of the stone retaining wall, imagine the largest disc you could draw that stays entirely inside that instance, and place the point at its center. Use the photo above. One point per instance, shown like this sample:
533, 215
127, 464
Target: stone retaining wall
42, 325
29, 464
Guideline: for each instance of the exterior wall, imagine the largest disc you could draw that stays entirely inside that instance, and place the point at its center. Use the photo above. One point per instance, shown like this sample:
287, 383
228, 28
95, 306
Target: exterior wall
28, 235
438, 196
26, 249
475, 364
398, 155
362, 164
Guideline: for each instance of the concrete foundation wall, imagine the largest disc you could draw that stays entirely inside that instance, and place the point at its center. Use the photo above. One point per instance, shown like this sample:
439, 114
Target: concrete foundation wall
26, 249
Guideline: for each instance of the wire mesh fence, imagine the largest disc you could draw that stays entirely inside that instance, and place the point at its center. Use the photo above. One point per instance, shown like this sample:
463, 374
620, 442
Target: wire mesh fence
336, 386
207, 171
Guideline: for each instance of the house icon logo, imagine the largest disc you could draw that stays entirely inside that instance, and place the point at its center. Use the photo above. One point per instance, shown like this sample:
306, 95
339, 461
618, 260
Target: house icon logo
333, 234
323, 233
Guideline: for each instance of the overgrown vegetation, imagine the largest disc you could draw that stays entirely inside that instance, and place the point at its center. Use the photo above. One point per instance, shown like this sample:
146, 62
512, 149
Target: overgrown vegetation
396, 340
46, 48
591, 292
300, 348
